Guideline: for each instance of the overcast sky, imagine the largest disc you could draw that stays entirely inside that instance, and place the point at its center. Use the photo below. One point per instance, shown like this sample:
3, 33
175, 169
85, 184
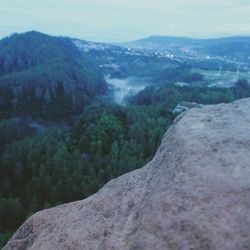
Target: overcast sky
117, 20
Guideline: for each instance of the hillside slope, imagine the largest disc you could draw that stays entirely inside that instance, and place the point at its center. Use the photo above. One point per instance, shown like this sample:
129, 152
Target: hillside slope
41, 74
228, 49
165, 42
194, 194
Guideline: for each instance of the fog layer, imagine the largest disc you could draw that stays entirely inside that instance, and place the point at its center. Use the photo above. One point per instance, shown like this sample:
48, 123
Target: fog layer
123, 88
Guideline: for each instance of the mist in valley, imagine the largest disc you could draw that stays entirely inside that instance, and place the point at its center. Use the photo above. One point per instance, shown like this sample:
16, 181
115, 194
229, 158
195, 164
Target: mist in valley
124, 88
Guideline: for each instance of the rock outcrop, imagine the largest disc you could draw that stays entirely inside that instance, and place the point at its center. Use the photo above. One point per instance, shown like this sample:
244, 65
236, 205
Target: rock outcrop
194, 194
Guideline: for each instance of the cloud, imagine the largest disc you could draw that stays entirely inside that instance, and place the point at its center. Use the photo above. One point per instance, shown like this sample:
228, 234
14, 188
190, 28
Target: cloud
112, 20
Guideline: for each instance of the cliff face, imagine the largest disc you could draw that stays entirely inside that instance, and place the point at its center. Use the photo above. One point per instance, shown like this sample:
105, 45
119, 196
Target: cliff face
194, 194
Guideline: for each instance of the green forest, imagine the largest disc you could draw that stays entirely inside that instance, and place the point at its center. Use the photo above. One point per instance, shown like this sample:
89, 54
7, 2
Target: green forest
45, 73
46, 169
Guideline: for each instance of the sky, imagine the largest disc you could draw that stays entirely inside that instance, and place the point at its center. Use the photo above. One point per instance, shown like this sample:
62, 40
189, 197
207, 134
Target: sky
127, 20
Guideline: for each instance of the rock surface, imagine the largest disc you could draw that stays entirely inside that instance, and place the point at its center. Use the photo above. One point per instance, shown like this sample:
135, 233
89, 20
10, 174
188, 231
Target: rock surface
194, 194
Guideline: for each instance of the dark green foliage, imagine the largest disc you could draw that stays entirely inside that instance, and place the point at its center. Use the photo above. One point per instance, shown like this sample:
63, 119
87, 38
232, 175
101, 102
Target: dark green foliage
181, 73
242, 89
170, 95
55, 167
12, 130
174, 74
11, 213
194, 77
4, 237
46, 73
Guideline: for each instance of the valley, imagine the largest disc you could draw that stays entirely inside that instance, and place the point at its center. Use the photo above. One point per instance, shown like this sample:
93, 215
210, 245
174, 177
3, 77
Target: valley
75, 114
152, 57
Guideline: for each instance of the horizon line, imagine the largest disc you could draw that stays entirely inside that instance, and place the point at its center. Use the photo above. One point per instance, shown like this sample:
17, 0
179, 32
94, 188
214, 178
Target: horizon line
128, 41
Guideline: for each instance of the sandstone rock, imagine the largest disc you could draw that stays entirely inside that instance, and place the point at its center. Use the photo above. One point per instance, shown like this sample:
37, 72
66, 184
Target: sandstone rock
194, 194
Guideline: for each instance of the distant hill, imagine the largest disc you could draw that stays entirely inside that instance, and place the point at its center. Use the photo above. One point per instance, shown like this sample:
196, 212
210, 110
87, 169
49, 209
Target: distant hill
45, 75
235, 49
165, 42
161, 42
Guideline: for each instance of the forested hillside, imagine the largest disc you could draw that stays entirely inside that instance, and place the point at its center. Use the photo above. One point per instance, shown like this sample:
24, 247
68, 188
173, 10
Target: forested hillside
169, 95
49, 74
43, 170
